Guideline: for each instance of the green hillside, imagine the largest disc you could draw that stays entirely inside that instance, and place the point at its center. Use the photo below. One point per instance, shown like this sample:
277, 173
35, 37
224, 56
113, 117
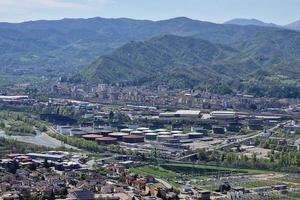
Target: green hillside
186, 62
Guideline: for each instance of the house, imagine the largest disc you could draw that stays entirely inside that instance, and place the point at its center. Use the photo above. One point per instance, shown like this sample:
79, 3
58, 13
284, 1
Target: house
10, 196
186, 189
140, 184
117, 168
81, 194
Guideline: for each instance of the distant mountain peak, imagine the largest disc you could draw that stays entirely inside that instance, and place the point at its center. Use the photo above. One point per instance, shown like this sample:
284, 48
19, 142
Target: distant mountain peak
248, 22
295, 25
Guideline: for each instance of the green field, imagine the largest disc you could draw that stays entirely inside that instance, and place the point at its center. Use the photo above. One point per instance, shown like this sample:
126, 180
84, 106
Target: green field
157, 172
201, 169
177, 173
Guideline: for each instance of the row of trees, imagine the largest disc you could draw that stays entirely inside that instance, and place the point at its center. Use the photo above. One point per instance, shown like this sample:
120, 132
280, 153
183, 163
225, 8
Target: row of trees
21, 122
278, 161
78, 142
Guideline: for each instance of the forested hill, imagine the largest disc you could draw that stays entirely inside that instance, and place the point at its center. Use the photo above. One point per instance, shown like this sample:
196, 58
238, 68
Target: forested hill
56, 48
186, 62
65, 46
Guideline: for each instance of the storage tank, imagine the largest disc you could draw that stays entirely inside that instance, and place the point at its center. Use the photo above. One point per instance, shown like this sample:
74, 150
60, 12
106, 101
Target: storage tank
107, 140
91, 137
96, 132
164, 138
195, 135
105, 132
126, 130
164, 133
140, 133
176, 132
118, 135
160, 130
133, 139
148, 131
142, 129
151, 136
181, 136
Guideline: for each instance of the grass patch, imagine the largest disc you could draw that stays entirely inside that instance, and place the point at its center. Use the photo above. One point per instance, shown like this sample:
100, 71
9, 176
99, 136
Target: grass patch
158, 172
204, 170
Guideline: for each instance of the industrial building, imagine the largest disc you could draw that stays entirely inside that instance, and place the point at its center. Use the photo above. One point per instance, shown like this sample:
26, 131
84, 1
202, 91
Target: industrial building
54, 157
181, 114
223, 115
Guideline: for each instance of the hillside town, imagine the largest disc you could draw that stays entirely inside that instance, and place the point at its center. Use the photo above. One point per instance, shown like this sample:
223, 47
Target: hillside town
149, 100
128, 144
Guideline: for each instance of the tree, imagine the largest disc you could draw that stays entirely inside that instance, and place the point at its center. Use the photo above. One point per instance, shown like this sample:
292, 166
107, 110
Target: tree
111, 115
254, 157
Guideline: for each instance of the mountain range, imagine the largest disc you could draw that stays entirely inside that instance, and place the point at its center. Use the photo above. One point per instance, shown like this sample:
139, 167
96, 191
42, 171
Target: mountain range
255, 22
149, 52
188, 62
248, 22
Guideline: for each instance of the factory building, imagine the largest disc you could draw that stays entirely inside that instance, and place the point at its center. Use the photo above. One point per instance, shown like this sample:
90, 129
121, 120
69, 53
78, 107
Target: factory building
54, 157
181, 114
223, 115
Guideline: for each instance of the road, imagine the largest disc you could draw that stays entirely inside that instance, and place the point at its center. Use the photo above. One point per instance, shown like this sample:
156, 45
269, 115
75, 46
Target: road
41, 139
240, 139
246, 138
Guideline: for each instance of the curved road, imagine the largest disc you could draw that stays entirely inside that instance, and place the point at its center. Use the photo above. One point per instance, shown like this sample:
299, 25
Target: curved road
41, 139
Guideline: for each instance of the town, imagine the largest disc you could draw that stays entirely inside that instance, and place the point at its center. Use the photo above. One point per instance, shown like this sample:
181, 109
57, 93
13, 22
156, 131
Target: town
119, 142
149, 100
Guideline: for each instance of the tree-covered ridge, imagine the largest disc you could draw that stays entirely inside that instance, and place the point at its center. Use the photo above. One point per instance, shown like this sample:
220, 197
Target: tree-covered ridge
64, 46
186, 62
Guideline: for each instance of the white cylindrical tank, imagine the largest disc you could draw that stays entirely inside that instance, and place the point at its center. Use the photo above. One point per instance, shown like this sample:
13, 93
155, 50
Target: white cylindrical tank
151, 136
164, 138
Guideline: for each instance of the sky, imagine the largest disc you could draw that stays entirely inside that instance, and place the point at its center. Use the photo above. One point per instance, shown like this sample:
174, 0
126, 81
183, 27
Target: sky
276, 11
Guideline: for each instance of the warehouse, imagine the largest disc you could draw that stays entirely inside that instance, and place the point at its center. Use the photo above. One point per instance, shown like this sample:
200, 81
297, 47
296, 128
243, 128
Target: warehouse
181, 114
42, 156
223, 115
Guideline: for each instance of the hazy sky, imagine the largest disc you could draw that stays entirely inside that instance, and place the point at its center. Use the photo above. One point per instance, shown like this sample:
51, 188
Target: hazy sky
277, 11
